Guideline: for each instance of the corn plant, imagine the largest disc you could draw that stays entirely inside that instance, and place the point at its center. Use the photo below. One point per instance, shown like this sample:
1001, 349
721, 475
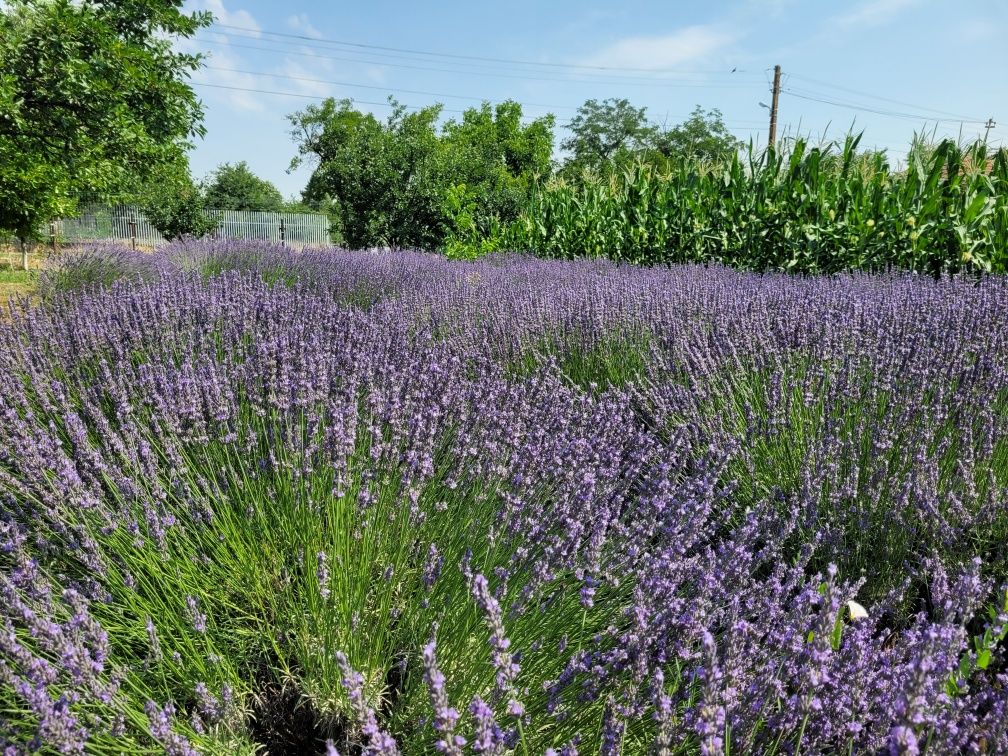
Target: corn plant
808, 208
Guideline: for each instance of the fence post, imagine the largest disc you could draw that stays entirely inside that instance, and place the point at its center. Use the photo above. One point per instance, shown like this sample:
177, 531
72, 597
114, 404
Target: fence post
52, 235
133, 230
24, 254
283, 229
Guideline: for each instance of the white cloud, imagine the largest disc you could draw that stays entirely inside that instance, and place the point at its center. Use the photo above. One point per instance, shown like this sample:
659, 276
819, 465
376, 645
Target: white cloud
301, 24
873, 12
687, 45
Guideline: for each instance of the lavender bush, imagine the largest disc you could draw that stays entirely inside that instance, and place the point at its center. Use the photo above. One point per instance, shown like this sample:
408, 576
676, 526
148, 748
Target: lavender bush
97, 265
507, 506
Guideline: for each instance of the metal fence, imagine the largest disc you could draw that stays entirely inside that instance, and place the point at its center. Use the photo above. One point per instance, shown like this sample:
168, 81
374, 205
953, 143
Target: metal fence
127, 223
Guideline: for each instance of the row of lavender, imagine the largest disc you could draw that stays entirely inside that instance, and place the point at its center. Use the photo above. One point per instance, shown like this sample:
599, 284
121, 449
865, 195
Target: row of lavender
503, 506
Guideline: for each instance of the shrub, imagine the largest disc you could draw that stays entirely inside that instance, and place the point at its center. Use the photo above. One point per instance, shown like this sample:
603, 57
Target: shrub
532, 505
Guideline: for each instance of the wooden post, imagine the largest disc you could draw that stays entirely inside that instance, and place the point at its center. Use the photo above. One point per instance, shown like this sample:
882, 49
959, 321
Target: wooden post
283, 230
133, 230
772, 144
52, 235
24, 254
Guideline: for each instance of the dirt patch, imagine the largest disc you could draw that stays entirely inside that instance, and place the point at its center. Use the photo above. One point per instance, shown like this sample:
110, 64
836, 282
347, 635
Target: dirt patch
283, 723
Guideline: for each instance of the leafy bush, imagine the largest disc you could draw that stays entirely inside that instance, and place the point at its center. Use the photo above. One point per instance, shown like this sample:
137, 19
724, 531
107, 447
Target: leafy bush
235, 187
176, 207
406, 182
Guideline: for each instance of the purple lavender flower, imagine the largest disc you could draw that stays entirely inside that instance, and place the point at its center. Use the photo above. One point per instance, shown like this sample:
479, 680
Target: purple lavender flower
488, 737
322, 574
701, 442
378, 742
197, 617
445, 717
160, 723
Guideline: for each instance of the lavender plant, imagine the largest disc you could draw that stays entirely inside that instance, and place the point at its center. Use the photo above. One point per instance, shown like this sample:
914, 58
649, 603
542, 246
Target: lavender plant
507, 506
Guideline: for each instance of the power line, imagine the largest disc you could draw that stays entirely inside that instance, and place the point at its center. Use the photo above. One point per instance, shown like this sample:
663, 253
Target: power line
877, 111
470, 71
739, 125
508, 61
307, 96
957, 116
581, 70
382, 58
381, 88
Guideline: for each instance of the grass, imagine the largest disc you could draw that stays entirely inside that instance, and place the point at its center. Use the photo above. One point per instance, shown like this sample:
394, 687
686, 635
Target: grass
15, 283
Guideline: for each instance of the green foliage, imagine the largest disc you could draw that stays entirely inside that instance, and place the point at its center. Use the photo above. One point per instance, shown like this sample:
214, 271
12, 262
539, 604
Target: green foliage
31, 192
175, 206
379, 174
92, 99
814, 209
613, 134
603, 132
703, 137
492, 163
235, 187
406, 183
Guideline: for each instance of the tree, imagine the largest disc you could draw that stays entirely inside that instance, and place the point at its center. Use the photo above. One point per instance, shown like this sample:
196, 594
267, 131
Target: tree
377, 176
235, 187
174, 205
493, 161
703, 136
602, 131
404, 182
93, 101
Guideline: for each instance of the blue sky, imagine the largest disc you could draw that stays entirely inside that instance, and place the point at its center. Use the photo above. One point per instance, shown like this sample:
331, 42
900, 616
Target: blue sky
887, 67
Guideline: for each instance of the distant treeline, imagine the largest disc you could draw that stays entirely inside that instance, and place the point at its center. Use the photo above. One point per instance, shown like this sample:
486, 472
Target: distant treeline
632, 191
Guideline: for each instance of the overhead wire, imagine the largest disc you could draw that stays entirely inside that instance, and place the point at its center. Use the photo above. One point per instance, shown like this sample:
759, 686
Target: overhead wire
739, 125
457, 56
663, 82
868, 109
849, 90
378, 87
313, 47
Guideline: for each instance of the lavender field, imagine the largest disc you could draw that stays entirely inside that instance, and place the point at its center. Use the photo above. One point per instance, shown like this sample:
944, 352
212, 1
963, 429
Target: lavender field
378, 503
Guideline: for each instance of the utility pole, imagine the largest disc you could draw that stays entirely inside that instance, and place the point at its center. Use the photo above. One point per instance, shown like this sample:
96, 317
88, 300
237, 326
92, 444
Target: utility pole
772, 144
991, 123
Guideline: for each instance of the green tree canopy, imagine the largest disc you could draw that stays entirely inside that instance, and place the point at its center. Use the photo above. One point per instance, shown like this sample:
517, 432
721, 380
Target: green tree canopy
235, 187
602, 131
406, 182
93, 101
378, 177
703, 136
493, 161
612, 133
174, 204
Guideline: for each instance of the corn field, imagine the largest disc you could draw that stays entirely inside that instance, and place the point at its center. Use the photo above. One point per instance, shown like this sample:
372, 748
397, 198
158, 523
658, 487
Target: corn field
811, 209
